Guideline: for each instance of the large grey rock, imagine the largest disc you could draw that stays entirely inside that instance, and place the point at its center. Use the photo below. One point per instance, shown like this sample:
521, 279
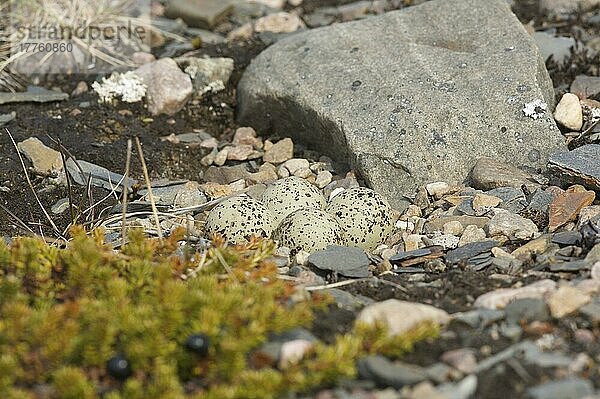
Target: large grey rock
408, 97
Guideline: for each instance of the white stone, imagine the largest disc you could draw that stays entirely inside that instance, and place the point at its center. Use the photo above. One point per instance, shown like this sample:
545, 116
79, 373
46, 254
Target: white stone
462, 359
303, 173
596, 271
239, 152
589, 286
471, 234
412, 242
587, 213
168, 87
569, 113
566, 300
482, 203
280, 152
499, 298
401, 316
221, 157
406, 225
302, 258
566, 6
500, 253
293, 351
43, 158
189, 195
281, 22
323, 178
237, 185
511, 225
282, 172
276, 4
438, 189
293, 165
453, 227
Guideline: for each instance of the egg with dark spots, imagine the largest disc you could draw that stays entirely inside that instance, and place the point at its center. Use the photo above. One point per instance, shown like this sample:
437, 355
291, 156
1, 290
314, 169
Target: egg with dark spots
364, 216
238, 218
287, 195
308, 229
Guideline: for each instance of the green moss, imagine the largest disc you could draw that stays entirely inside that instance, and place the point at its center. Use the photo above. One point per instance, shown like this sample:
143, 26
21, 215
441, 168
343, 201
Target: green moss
65, 312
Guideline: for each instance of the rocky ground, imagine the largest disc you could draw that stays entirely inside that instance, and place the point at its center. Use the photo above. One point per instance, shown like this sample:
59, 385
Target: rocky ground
486, 211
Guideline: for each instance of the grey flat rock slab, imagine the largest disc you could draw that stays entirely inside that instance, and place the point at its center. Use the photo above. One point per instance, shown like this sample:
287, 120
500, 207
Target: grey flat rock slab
556, 47
390, 374
346, 261
6, 118
586, 85
83, 172
470, 250
569, 388
582, 165
408, 97
33, 94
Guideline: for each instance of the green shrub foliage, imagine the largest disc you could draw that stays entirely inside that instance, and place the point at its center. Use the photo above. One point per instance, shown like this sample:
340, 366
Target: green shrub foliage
64, 312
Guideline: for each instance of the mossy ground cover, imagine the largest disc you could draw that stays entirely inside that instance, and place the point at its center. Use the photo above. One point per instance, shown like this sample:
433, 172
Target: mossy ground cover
64, 312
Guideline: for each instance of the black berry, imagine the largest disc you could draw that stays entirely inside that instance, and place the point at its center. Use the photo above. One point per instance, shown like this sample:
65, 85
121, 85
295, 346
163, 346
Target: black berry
119, 367
198, 343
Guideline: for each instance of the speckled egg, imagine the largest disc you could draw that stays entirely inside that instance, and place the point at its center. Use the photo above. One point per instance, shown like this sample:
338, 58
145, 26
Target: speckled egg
290, 194
238, 218
364, 215
308, 229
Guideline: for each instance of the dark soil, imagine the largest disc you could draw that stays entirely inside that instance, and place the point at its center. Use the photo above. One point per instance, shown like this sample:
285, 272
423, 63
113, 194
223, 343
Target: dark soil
99, 135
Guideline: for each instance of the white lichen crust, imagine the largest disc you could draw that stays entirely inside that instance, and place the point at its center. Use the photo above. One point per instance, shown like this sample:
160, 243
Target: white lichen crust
128, 86
535, 109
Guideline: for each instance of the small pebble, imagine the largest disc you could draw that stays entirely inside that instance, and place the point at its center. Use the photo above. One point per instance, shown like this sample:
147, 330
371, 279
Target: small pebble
454, 228
569, 113
323, 179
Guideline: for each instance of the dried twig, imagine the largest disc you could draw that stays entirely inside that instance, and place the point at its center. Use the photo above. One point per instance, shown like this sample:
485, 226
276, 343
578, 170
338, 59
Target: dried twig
81, 172
341, 284
225, 264
67, 177
359, 280
149, 186
125, 192
194, 272
12, 139
18, 220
